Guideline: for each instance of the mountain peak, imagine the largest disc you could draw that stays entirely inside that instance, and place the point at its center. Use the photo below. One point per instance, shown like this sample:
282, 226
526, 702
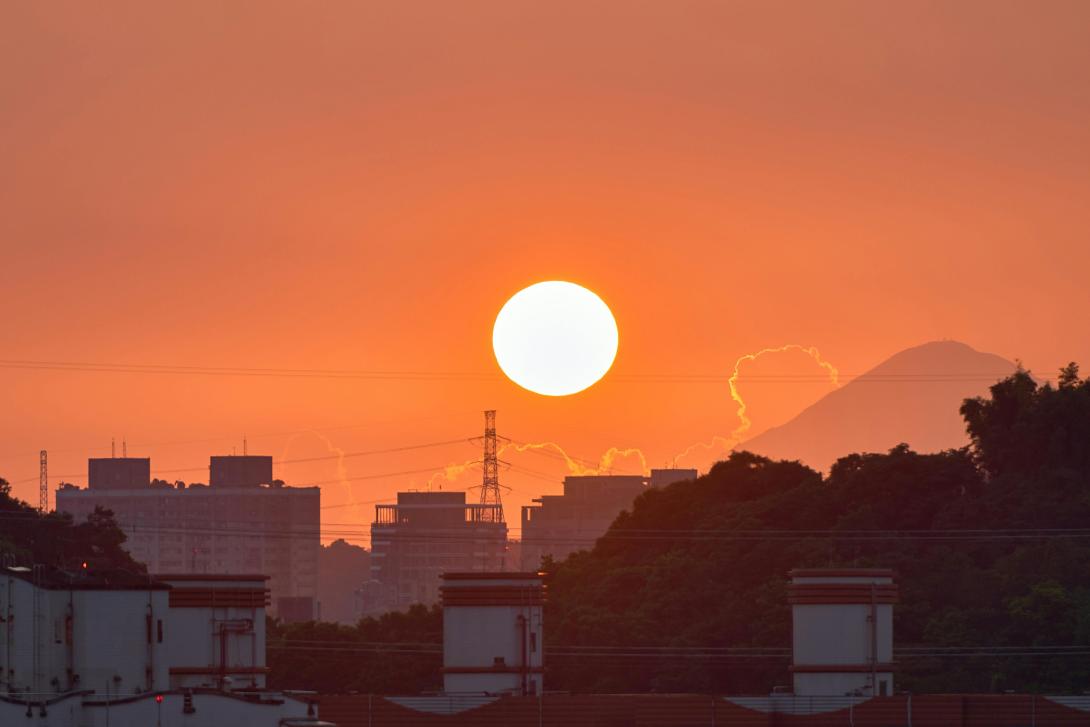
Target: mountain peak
941, 357
913, 396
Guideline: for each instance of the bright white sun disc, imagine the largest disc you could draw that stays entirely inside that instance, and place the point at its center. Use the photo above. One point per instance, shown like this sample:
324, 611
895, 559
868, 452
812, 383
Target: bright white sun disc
555, 338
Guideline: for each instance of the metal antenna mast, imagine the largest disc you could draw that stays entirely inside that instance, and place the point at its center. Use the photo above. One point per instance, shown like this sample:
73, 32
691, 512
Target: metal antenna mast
490, 484
43, 487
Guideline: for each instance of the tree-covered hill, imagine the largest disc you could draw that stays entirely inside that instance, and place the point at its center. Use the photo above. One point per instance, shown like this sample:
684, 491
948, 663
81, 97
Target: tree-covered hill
395, 653
704, 563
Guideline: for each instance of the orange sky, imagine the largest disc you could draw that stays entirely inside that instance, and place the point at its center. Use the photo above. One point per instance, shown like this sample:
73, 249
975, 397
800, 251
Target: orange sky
362, 185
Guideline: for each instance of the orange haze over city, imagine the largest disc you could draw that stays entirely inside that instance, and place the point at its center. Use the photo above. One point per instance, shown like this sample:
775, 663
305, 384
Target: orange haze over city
319, 192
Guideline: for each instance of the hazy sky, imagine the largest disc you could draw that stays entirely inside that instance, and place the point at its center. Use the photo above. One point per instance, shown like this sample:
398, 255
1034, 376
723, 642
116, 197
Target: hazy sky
350, 185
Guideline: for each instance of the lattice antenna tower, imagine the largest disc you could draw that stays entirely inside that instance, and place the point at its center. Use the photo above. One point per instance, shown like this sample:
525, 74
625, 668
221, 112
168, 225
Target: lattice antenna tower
490, 483
43, 486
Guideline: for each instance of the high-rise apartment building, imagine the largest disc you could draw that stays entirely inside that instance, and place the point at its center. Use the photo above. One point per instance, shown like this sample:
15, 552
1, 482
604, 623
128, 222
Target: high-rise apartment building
244, 522
559, 525
426, 534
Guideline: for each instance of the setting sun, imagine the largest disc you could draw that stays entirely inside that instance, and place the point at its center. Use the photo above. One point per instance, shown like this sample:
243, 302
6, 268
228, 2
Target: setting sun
555, 338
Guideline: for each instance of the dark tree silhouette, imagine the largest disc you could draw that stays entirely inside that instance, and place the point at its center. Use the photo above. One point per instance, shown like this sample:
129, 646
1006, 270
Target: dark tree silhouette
53, 539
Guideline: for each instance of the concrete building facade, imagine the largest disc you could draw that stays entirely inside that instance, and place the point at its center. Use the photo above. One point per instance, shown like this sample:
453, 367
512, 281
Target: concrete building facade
239, 525
493, 633
842, 626
228, 614
67, 632
425, 535
559, 525
99, 647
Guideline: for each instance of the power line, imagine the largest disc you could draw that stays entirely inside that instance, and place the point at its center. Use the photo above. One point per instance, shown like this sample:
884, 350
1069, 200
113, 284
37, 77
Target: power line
534, 474
85, 366
244, 528
411, 375
388, 450
233, 438
321, 458
339, 456
238, 528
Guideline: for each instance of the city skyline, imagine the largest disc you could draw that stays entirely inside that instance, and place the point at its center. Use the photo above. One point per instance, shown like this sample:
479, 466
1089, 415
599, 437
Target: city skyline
706, 362
183, 190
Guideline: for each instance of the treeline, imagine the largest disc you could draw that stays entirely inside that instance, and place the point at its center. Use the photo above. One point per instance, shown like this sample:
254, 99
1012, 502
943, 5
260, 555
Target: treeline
704, 564
672, 572
28, 537
395, 653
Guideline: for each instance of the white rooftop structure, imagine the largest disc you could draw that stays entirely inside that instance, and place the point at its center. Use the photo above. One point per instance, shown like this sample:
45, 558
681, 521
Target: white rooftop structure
98, 647
842, 621
493, 633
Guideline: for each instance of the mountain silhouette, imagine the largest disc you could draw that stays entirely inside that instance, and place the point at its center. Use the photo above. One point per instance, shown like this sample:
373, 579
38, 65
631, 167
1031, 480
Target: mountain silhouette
912, 397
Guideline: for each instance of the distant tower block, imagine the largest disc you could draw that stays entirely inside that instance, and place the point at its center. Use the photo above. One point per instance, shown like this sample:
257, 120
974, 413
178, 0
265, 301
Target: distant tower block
490, 481
492, 633
125, 473
248, 470
843, 631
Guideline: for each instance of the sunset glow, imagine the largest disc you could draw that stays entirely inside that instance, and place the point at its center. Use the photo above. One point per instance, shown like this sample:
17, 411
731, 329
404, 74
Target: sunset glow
314, 410
317, 243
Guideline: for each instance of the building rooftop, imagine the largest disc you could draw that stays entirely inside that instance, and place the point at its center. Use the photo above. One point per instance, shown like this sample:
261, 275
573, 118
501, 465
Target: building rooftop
841, 573
210, 577
431, 498
240, 471
90, 579
170, 490
492, 575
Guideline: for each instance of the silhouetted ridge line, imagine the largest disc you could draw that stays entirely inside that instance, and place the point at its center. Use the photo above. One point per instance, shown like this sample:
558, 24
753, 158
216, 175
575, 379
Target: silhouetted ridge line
917, 403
